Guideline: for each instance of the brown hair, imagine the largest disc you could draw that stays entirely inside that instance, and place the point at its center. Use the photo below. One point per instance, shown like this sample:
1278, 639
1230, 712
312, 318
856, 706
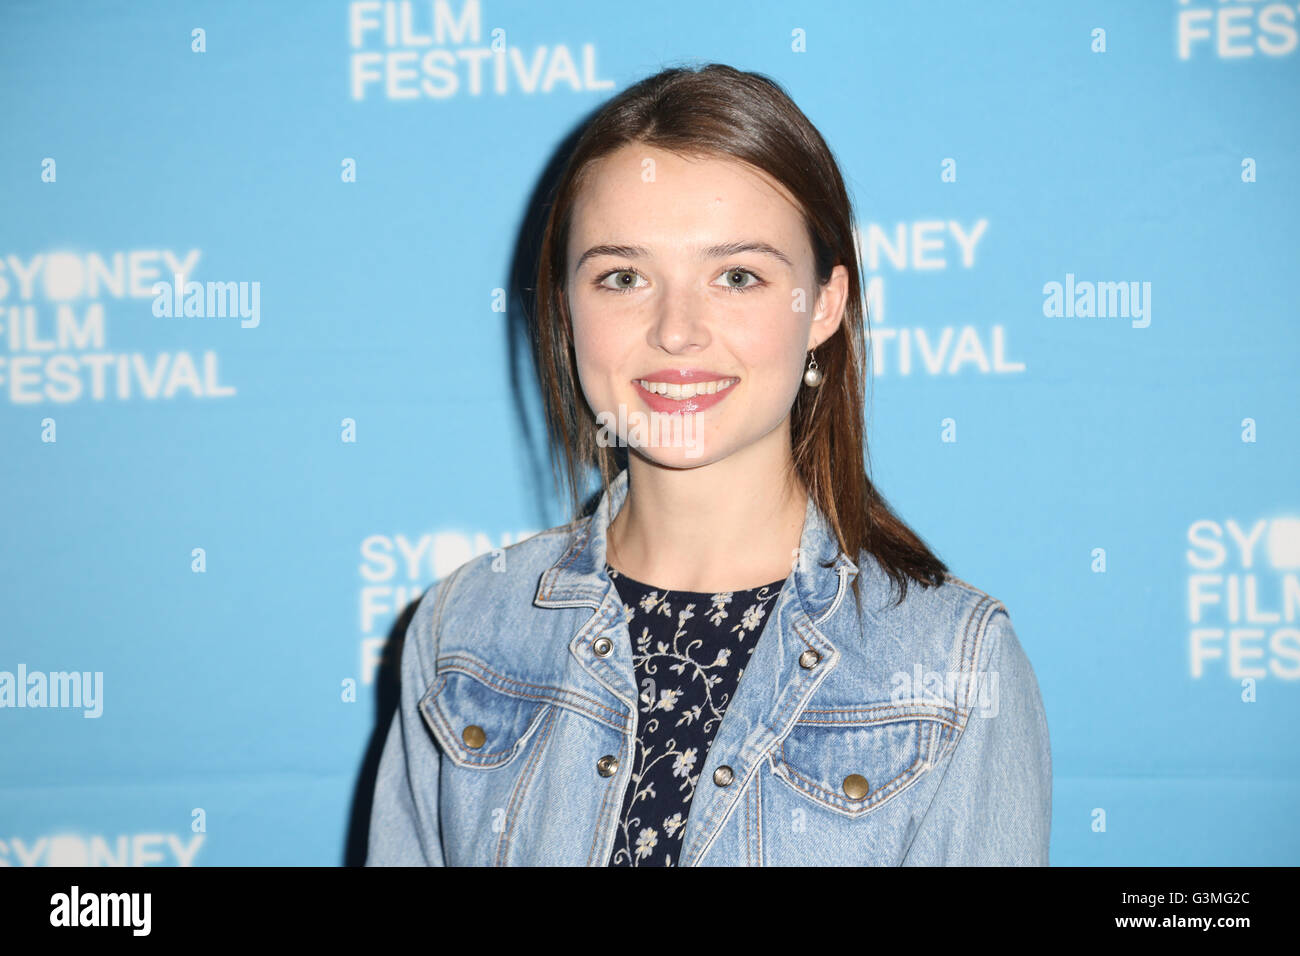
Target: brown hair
716, 110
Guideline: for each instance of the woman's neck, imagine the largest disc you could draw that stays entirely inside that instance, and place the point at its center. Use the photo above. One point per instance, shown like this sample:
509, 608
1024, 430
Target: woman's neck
726, 526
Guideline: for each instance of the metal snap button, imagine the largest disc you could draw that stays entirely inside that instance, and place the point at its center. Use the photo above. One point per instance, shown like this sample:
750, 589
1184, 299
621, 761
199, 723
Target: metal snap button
809, 658
607, 765
473, 736
602, 646
855, 786
723, 776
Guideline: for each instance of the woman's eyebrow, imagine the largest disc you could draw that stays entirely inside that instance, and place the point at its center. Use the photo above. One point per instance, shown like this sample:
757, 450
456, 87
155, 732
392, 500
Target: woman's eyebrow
720, 250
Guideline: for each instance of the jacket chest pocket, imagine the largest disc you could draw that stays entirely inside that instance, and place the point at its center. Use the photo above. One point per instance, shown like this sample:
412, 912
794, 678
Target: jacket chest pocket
852, 760
477, 725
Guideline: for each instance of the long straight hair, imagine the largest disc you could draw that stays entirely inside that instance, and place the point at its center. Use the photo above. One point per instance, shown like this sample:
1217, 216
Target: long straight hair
719, 111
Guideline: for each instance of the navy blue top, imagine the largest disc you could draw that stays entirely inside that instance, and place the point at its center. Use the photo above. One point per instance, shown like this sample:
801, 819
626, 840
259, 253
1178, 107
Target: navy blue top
690, 650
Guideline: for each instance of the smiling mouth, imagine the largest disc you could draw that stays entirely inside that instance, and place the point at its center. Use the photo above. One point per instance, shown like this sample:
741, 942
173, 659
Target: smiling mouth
676, 392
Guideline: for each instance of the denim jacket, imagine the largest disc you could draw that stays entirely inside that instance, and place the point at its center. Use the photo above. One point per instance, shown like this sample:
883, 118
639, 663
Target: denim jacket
911, 735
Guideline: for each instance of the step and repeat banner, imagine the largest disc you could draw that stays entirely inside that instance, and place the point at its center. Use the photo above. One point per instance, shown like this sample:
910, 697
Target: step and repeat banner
264, 379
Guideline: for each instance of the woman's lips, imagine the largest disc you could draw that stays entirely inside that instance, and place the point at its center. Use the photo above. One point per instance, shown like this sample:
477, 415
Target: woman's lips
678, 406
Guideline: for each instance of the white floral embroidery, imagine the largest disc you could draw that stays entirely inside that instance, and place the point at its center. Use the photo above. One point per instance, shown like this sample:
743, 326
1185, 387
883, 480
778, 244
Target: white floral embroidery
645, 843
689, 673
751, 619
720, 602
690, 715
684, 762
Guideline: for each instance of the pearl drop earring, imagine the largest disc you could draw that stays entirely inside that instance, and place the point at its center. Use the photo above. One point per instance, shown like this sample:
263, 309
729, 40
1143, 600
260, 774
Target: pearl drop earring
813, 376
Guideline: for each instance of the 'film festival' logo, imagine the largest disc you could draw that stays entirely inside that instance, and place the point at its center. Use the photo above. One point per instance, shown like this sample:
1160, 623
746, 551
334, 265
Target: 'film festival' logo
1234, 29
95, 849
1243, 598
434, 49
54, 341
928, 246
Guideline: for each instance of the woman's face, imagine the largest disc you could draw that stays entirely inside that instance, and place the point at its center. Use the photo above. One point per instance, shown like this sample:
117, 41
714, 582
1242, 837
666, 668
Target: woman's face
692, 276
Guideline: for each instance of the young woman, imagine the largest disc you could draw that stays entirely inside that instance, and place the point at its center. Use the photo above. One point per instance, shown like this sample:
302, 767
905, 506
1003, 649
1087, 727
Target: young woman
743, 657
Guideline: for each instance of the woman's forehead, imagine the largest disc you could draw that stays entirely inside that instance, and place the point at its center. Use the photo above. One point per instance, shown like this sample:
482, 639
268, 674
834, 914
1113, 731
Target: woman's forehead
640, 191
638, 164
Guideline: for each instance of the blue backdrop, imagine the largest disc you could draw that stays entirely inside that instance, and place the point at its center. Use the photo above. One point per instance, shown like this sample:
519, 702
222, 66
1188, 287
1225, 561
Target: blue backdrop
215, 520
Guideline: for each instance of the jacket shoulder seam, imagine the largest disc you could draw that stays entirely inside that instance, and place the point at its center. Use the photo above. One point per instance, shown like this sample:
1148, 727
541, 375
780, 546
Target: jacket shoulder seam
975, 631
966, 586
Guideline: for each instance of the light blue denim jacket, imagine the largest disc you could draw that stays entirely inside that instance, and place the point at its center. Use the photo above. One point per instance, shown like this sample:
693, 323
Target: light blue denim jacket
933, 703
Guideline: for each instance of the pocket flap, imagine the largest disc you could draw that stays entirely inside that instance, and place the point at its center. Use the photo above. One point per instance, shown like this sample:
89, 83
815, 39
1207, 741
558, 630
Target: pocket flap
477, 725
854, 759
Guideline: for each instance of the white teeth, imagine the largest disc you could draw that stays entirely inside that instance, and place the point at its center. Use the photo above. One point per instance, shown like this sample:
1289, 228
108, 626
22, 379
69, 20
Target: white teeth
690, 390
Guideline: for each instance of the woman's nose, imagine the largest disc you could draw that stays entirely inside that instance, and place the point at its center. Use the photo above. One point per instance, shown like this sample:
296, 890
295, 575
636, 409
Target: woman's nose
680, 322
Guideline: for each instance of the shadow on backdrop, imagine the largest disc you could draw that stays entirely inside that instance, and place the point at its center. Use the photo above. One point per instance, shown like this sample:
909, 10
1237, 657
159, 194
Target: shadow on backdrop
523, 382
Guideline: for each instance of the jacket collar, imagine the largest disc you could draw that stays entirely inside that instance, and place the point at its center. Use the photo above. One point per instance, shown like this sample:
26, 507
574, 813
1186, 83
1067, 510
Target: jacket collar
578, 578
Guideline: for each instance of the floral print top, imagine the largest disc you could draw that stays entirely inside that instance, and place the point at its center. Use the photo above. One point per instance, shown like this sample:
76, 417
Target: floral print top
690, 650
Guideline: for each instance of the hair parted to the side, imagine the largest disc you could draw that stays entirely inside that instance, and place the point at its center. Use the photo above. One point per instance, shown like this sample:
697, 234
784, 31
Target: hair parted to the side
717, 110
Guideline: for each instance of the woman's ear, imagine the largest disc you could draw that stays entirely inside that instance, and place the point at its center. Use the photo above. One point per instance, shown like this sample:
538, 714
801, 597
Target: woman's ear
830, 307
